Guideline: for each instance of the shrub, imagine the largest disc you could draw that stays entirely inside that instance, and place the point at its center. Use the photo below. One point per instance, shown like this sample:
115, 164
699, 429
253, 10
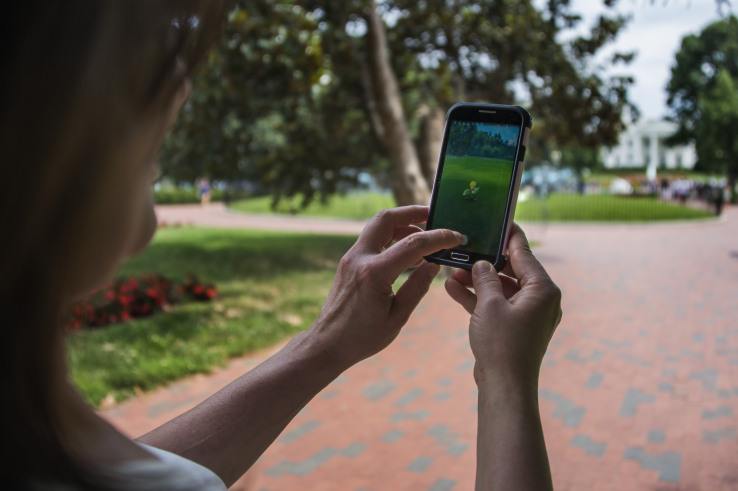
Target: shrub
132, 297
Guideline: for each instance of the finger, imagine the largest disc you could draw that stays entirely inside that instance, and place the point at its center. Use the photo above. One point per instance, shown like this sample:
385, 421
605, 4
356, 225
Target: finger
509, 285
381, 228
402, 232
487, 284
411, 249
524, 265
461, 294
463, 276
411, 292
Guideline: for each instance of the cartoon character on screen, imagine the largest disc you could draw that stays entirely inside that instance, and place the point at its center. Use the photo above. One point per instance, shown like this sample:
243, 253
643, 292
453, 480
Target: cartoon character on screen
470, 193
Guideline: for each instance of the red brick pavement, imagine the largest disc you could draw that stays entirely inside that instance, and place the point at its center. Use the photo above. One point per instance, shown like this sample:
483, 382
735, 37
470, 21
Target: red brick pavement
639, 388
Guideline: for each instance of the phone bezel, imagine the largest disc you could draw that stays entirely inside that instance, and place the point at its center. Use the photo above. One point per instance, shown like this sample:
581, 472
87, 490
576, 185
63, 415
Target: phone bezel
485, 113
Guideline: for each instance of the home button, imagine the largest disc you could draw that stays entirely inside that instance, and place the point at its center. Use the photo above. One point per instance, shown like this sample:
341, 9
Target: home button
460, 256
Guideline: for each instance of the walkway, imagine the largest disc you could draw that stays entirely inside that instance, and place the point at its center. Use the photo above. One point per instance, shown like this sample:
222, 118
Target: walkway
639, 388
217, 215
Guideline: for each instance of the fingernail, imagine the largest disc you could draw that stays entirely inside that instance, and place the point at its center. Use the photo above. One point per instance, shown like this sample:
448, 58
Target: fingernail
462, 238
482, 266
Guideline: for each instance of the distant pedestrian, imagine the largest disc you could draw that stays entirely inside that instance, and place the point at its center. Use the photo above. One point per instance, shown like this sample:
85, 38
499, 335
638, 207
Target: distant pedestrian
718, 200
203, 189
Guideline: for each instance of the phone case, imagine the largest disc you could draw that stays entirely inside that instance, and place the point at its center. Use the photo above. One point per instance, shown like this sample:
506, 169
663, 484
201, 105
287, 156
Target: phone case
519, 165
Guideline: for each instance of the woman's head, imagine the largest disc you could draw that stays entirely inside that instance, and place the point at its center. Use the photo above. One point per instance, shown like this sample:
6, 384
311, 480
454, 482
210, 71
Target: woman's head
88, 91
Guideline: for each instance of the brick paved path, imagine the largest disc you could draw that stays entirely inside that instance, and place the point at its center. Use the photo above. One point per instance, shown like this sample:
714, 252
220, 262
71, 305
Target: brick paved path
639, 389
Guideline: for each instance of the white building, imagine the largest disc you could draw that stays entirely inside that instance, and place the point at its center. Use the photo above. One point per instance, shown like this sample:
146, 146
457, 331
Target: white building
642, 146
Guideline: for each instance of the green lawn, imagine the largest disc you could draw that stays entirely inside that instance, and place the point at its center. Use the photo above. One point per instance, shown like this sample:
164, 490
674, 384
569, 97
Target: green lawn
602, 208
355, 206
557, 208
271, 285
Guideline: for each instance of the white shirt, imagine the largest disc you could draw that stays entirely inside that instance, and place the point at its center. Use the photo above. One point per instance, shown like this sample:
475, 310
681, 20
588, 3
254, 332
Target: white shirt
169, 472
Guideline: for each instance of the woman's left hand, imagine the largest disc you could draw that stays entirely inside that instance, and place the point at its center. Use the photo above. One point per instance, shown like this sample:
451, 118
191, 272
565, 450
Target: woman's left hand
362, 314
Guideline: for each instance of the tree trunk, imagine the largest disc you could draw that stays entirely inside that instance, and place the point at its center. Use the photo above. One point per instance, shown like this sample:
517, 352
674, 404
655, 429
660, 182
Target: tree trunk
431, 139
388, 117
732, 180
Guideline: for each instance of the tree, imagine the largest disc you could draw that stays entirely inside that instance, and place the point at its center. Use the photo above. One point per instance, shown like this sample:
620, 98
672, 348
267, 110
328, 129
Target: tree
716, 132
268, 107
702, 96
304, 94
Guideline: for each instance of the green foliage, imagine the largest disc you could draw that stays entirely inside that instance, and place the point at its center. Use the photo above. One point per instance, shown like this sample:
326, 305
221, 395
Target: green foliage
282, 99
354, 206
716, 142
703, 96
270, 285
602, 208
472, 50
562, 207
699, 61
168, 196
267, 106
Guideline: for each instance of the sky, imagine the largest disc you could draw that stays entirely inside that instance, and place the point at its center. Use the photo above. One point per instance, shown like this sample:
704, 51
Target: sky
655, 32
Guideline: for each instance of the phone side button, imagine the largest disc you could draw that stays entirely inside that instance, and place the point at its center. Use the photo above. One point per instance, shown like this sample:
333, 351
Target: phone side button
458, 256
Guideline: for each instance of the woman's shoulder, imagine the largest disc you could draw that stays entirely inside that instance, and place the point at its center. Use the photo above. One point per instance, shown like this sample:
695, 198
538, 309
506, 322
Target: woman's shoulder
169, 471
165, 471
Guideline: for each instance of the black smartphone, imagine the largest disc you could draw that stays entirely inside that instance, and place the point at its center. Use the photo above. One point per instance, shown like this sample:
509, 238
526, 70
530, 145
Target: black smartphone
477, 181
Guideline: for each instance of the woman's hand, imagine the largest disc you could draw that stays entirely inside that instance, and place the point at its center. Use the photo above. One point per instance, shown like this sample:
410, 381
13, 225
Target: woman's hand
514, 315
362, 314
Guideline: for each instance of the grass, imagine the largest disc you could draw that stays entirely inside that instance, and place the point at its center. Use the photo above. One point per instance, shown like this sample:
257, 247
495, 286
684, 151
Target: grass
353, 206
479, 216
557, 208
270, 286
603, 208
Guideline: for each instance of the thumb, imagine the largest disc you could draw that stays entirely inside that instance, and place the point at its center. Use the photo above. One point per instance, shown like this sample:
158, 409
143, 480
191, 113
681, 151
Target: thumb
486, 283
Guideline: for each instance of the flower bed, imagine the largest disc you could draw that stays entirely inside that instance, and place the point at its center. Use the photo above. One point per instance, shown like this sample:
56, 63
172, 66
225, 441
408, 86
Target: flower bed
132, 297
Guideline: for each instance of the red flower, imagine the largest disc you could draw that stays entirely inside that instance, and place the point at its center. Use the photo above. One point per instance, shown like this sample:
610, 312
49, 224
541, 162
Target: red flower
124, 316
109, 295
210, 292
125, 300
151, 292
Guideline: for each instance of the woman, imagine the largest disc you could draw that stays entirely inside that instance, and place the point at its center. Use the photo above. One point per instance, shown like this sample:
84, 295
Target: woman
89, 91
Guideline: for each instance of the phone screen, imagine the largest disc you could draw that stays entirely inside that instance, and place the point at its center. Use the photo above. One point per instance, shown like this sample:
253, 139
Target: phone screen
474, 182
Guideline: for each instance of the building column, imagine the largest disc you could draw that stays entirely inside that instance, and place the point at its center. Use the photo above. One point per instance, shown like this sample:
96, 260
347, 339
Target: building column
653, 159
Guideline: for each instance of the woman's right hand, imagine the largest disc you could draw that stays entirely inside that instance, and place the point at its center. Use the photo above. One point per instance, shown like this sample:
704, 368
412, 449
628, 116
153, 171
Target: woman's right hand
514, 315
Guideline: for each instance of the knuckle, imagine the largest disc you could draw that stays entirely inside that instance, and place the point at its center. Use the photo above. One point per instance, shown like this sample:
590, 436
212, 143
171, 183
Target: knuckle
489, 302
383, 215
553, 292
447, 236
347, 262
364, 271
417, 241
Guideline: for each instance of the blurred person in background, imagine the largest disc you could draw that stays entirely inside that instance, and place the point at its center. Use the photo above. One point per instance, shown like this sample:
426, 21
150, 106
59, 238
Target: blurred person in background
203, 189
89, 91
